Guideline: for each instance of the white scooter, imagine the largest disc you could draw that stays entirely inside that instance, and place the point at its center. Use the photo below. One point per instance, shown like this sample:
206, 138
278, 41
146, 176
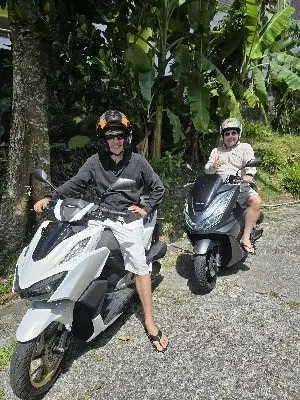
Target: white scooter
73, 274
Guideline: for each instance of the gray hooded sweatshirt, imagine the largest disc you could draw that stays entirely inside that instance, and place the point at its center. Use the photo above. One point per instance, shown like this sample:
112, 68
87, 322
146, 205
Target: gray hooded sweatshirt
101, 171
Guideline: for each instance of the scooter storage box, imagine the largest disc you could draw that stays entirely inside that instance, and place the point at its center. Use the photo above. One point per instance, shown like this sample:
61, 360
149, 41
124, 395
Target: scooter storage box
204, 190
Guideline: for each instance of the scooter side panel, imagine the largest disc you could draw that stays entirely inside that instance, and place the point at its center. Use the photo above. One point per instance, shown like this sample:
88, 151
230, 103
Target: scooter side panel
40, 315
81, 275
237, 252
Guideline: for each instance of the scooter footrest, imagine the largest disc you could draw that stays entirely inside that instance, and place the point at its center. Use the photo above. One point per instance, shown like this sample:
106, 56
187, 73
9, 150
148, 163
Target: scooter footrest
114, 303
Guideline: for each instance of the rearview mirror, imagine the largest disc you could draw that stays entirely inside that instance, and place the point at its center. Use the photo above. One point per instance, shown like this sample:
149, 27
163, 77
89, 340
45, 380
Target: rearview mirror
40, 175
186, 167
124, 185
253, 163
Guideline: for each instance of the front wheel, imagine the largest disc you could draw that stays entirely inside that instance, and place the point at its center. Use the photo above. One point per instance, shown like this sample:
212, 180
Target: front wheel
205, 271
36, 364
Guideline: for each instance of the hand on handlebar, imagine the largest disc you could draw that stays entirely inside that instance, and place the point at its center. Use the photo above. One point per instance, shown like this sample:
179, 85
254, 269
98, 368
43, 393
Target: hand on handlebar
41, 204
137, 209
248, 179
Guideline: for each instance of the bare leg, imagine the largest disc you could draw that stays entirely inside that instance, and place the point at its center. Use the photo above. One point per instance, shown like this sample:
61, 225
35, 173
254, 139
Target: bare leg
143, 285
253, 212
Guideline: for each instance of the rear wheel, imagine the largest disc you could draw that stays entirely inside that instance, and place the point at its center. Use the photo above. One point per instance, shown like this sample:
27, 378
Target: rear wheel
205, 270
36, 364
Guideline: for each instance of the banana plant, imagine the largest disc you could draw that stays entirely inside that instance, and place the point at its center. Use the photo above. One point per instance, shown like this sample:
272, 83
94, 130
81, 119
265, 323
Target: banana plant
258, 45
155, 36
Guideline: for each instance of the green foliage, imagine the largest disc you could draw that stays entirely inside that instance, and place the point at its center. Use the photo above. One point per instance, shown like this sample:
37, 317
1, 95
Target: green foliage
175, 121
199, 100
146, 80
291, 180
274, 28
6, 356
138, 58
168, 169
272, 159
295, 121
256, 132
78, 142
289, 77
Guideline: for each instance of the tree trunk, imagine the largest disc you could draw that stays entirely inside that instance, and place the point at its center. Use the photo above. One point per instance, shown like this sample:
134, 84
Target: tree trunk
29, 141
157, 131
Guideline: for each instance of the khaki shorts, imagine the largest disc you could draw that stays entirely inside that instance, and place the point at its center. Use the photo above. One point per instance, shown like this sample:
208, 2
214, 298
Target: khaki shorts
131, 240
246, 192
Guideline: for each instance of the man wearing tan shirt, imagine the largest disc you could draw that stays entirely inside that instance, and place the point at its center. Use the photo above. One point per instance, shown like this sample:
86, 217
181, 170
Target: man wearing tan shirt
227, 160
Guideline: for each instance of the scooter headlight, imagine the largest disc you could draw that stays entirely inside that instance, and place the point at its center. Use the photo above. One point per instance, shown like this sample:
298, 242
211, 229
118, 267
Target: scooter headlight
218, 208
46, 287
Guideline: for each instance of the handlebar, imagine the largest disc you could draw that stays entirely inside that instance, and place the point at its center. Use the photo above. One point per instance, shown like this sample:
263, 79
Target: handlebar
106, 211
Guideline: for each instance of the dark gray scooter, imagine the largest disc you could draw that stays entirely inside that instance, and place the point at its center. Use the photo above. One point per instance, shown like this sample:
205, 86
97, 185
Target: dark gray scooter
215, 224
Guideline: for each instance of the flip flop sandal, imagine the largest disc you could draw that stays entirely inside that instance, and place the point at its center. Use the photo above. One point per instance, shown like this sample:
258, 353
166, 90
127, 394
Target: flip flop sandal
156, 338
245, 247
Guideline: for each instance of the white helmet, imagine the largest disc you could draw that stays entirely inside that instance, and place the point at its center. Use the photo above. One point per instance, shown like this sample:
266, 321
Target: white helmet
231, 123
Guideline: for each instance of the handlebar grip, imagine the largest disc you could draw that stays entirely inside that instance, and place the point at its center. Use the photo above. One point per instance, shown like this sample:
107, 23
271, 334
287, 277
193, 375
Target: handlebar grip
111, 212
119, 213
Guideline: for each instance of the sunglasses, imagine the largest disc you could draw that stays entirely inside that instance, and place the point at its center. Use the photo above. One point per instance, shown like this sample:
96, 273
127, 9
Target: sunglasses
232, 133
111, 137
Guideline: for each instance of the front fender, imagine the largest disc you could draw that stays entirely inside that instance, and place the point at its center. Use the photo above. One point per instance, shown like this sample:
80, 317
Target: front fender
202, 246
40, 315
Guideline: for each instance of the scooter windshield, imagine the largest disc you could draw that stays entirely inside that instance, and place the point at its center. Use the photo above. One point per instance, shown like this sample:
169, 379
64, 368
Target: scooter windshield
204, 190
53, 234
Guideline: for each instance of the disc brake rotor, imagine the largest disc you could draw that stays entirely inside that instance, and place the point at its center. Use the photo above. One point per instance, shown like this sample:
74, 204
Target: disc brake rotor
44, 362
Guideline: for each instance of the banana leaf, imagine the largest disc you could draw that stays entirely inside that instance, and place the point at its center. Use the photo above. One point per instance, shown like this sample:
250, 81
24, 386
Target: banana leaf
138, 58
292, 80
252, 24
198, 96
175, 121
287, 59
259, 85
274, 28
226, 90
146, 80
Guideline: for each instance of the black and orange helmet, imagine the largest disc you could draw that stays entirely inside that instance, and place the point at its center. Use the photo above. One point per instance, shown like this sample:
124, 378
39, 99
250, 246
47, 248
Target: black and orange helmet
114, 122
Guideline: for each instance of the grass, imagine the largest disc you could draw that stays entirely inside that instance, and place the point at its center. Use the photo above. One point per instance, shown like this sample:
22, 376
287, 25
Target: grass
278, 152
2, 393
6, 355
293, 304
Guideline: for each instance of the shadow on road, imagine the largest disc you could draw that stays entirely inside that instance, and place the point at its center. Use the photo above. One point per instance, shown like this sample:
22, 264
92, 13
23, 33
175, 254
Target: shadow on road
184, 267
79, 347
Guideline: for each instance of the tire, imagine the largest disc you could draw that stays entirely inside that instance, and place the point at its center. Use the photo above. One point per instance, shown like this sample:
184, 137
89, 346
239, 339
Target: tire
24, 383
203, 267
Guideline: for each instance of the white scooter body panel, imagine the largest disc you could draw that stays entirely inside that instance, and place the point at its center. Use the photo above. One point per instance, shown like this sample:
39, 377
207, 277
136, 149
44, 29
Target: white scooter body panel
31, 272
78, 279
40, 315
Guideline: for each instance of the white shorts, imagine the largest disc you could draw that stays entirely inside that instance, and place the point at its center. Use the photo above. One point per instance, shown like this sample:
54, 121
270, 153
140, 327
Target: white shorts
246, 192
131, 240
